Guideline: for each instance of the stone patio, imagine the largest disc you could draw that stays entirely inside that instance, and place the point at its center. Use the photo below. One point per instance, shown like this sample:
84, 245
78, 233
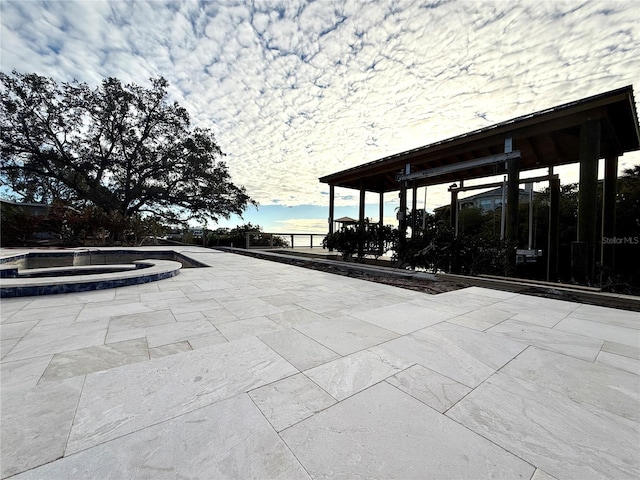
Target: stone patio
255, 369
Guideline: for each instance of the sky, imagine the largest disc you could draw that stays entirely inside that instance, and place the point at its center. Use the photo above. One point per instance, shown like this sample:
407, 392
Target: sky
295, 90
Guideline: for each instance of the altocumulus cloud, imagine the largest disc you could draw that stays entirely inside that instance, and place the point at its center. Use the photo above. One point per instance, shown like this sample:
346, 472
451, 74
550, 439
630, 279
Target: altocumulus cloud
296, 90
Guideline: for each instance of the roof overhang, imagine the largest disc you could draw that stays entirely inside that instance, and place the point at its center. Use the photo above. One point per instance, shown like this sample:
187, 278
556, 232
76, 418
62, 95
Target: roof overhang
547, 138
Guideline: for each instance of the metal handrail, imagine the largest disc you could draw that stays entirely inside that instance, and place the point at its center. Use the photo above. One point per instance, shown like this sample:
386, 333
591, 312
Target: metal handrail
287, 234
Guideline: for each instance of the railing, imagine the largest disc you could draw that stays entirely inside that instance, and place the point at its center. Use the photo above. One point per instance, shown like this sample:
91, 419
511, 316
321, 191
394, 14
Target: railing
291, 236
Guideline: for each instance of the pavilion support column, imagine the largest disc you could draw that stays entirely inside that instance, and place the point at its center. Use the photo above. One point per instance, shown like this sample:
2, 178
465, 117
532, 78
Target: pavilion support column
513, 197
332, 192
607, 249
402, 215
583, 250
554, 230
414, 211
361, 226
424, 212
454, 209
381, 224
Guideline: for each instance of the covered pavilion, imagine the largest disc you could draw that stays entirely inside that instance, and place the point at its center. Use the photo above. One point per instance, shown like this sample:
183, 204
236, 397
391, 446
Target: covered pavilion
583, 131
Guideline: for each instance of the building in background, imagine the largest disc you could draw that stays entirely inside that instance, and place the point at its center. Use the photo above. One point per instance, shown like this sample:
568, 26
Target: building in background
492, 200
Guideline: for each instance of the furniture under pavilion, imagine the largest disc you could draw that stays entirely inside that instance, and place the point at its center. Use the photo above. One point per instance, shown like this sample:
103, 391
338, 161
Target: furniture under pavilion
582, 131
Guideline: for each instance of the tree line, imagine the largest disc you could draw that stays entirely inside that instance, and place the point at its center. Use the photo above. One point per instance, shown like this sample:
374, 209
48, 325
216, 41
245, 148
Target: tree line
120, 153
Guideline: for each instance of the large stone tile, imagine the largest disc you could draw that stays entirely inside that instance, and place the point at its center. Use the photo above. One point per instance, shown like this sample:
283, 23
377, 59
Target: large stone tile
540, 316
351, 374
250, 307
9, 306
298, 349
437, 391
609, 316
35, 423
596, 384
489, 349
250, 291
319, 305
177, 283
382, 433
290, 400
7, 345
108, 295
128, 327
178, 332
489, 292
450, 307
61, 337
621, 349
71, 299
250, 327
16, 330
23, 373
122, 400
601, 331
217, 295
190, 316
566, 439
189, 446
346, 334
212, 283
373, 300
534, 313
182, 307
532, 302
128, 295
219, 315
541, 475
567, 343
154, 299
462, 298
481, 318
141, 320
282, 299
403, 318
207, 340
619, 361
95, 359
294, 318
45, 313
460, 353
170, 349
93, 311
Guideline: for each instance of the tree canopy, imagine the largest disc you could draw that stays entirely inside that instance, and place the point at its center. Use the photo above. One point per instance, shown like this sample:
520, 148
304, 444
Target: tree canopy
121, 148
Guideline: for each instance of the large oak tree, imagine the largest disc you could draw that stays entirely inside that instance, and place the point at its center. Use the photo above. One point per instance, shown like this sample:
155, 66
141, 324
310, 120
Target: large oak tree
121, 148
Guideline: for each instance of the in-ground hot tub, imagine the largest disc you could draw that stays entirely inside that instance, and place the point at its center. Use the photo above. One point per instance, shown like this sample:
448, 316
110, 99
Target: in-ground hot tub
53, 272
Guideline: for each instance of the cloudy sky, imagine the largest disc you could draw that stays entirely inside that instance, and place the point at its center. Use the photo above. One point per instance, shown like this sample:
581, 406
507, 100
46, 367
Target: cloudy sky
299, 89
